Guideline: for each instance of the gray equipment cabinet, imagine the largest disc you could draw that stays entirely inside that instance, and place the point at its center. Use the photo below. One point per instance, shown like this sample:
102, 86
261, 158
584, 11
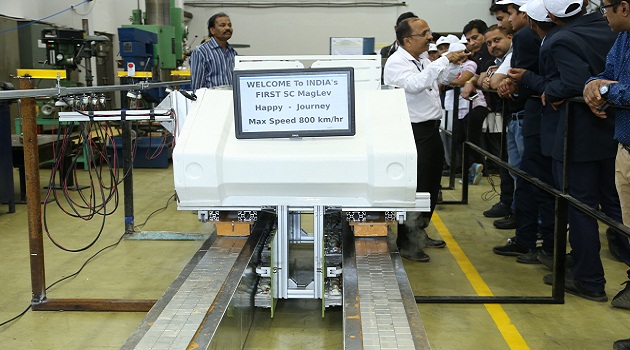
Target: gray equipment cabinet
7, 194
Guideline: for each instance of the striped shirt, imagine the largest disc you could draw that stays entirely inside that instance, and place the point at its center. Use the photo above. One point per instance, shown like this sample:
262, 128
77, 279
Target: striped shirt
211, 65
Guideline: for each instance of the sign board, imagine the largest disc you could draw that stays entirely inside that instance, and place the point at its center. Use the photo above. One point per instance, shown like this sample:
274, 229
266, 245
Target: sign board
351, 46
294, 103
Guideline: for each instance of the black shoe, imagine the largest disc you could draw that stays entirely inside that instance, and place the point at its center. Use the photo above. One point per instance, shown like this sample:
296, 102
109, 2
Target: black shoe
498, 210
548, 279
417, 256
507, 223
435, 243
575, 287
439, 199
613, 244
622, 299
531, 257
547, 260
623, 344
511, 248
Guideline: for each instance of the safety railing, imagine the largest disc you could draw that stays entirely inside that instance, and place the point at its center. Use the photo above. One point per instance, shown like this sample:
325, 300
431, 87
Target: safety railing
562, 203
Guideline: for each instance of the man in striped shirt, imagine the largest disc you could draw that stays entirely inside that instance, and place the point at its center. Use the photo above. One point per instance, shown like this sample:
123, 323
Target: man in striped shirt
212, 63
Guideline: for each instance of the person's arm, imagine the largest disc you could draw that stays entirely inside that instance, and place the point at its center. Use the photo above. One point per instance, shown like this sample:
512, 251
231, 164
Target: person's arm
464, 78
399, 72
533, 81
501, 73
572, 71
617, 94
197, 70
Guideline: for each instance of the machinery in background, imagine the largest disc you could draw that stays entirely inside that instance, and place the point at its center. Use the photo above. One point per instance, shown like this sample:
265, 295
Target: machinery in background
67, 49
153, 45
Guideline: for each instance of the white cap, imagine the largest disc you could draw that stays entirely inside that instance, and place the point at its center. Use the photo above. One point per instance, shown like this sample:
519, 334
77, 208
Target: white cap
463, 39
442, 40
536, 10
563, 8
515, 2
432, 47
449, 39
455, 47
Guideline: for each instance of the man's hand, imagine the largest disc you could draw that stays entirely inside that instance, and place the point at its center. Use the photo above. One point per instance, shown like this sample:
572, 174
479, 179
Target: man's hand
457, 57
516, 74
467, 90
594, 99
484, 81
506, 88
554, 105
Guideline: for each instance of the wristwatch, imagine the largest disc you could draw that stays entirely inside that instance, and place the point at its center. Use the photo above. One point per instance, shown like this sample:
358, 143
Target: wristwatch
603, 90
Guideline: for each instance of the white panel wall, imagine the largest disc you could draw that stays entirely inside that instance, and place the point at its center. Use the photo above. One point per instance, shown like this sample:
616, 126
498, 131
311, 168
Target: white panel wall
268, 31
306, 31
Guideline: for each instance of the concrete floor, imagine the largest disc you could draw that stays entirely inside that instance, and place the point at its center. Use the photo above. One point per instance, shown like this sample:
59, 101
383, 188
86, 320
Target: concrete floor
144, 269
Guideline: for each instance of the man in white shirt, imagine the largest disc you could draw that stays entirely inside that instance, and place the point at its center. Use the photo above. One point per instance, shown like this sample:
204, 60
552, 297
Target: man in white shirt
410, 69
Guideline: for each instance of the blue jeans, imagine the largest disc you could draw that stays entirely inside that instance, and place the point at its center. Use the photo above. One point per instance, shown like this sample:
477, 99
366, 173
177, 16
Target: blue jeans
515, 146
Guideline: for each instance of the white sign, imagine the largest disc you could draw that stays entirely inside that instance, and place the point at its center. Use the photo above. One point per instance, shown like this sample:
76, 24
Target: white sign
295, 103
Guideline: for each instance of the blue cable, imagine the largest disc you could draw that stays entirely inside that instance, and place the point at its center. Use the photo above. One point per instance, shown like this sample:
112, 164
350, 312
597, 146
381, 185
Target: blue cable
47, 17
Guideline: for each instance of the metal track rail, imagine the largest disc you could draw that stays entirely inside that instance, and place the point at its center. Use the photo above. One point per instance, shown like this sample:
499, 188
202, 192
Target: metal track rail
192, 309
379, 307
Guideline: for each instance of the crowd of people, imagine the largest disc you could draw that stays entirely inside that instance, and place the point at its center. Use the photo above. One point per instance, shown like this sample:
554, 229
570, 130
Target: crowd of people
539, 54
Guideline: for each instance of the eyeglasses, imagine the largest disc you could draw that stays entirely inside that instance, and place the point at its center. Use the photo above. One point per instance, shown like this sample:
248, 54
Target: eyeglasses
422, 35
603, 9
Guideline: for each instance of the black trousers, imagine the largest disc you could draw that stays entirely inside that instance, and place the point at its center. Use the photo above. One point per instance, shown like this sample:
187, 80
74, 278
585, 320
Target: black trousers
535, 208
430, 156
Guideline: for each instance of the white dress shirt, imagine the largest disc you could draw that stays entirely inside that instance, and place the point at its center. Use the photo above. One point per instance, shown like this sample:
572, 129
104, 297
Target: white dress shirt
420, 79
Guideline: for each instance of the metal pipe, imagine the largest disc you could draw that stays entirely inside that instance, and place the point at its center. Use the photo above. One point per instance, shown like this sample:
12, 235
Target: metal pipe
88, 61
65, 91
33, 195
128, 176
113, 305
158, 12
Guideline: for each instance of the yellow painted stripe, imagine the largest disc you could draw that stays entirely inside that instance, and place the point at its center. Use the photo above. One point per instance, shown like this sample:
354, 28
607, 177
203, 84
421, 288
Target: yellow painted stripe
122, 74
181, 73
509, 332
42, 73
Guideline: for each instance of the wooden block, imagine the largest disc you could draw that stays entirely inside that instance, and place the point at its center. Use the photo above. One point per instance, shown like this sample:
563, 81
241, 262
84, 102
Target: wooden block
233, 228
369, 229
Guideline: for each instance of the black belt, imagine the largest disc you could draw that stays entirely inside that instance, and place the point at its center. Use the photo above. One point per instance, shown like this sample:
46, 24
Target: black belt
430, 123
518, 115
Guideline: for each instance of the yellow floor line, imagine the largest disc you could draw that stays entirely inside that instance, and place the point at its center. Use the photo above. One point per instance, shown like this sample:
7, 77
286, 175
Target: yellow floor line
511, 335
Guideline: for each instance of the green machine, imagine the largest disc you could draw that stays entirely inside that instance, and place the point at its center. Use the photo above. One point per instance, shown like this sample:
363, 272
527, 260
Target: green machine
165, 20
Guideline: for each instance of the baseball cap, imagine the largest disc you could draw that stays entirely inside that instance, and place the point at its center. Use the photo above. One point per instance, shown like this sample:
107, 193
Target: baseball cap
515, 2
449, 39
536, 10
432, 47
563, 8
463, 39
455, 47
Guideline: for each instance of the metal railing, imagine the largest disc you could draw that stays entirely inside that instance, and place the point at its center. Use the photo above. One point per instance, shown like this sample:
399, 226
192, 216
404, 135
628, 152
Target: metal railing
562, 203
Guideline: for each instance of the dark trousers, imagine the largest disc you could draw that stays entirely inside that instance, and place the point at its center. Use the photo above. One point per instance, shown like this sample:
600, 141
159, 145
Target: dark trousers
592, 183
430, 155
469, 129
535, 208
507, 181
